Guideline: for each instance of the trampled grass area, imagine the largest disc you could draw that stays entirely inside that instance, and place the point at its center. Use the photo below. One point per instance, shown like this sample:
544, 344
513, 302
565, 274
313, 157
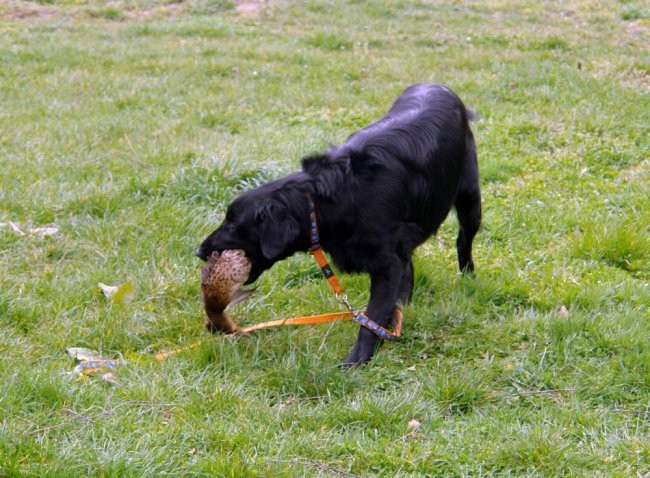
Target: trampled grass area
127, 126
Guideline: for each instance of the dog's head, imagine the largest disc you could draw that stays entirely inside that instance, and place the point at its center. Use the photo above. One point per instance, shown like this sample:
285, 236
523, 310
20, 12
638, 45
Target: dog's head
263, 222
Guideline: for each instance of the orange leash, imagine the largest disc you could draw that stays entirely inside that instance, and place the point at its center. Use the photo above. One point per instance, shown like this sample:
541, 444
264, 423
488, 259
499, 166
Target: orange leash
310, 319
317, 319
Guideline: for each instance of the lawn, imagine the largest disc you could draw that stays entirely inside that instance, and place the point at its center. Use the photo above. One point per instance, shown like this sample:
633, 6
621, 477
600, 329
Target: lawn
127, 126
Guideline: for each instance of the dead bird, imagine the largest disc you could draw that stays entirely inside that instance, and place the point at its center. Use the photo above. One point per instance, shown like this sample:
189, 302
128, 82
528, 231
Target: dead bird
221, 280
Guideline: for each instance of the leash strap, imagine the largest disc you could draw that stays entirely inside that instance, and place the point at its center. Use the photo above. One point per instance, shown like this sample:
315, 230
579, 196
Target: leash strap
374, 327
317, 251
312, 319
323, 318
327, 270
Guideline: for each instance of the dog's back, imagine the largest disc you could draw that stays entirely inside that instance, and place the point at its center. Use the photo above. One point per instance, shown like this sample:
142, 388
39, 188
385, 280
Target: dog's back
416, 156
425, 122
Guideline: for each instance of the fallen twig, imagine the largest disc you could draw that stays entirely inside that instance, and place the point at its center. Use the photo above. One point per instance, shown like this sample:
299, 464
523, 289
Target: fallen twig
316, 464
547, 392
78, 416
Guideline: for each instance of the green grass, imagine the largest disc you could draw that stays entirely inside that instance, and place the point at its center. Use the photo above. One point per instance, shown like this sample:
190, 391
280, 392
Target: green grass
129, 125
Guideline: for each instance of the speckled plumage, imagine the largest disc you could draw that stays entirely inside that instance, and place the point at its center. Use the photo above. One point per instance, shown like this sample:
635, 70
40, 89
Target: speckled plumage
221, 281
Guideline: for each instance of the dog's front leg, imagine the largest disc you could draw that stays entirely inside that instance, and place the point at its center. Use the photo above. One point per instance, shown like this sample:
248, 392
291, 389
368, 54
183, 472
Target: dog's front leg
384, 287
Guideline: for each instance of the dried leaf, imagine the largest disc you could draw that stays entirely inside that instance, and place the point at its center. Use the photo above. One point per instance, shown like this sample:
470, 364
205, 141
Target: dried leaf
413, 433
288, 402
108, 290
44, 231
37, 231
83, 354
124, 293
110, 378
414, 425
118, 294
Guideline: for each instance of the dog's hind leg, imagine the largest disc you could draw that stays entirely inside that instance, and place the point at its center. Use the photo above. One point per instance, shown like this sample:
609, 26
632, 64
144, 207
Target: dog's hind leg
405, 291
468, 208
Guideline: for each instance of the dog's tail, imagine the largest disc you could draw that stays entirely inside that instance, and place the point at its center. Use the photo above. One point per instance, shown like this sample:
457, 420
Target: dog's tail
472, 115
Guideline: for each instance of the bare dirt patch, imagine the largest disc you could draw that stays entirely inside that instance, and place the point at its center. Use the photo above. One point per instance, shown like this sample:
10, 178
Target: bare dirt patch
162, 10
248, 7
24, 10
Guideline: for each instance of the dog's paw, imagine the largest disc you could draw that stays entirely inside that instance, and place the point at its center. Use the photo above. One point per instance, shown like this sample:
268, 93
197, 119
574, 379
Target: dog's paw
363, 350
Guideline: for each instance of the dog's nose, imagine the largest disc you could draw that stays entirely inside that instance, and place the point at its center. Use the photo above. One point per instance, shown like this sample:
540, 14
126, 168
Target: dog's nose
198, 252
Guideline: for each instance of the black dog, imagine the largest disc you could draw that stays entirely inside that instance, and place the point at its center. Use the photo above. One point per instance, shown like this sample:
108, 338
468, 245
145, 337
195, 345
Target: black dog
377, 197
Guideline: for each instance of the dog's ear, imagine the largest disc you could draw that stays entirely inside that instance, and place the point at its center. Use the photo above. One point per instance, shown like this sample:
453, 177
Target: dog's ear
311, 164
277, 232
357, 161
328, 173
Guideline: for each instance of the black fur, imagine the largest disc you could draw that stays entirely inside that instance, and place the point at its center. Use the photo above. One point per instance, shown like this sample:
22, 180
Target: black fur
378, 196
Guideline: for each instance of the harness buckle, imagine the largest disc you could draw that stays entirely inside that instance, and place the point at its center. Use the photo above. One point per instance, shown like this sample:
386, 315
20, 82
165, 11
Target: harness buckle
342, 298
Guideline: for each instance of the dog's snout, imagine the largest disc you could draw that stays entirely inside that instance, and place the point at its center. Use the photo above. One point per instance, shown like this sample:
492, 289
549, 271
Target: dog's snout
198, 252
